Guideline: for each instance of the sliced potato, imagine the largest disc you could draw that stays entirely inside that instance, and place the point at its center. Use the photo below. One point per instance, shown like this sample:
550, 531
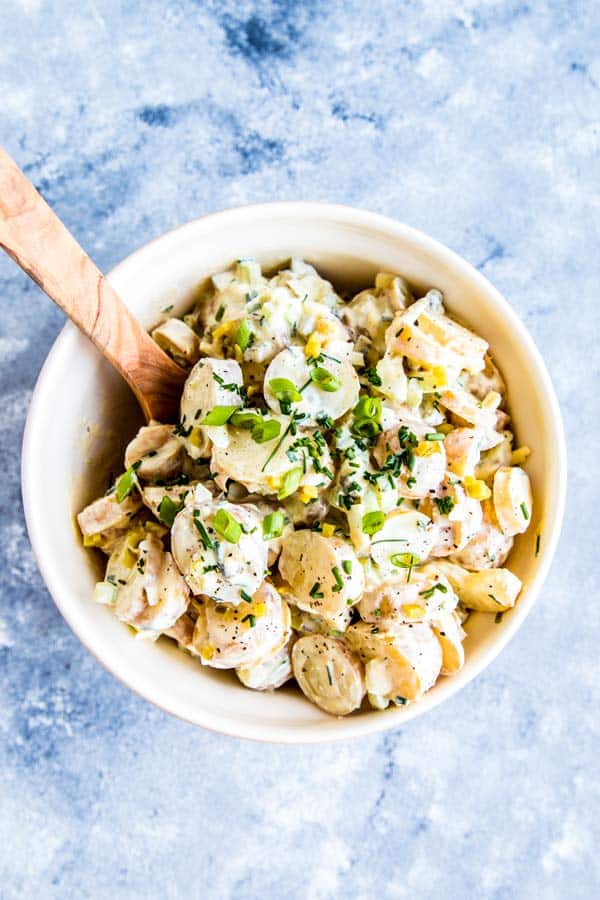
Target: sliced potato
324, 574
328, 674
329, 387
179, 340
463, 450
449, 632
488, 590
105, 521
231, 637
210, 562
211, 383
270, 673
404, 541
155, 595
489, 547
409, 659
182, 631
394, 602
158, 451
513, 502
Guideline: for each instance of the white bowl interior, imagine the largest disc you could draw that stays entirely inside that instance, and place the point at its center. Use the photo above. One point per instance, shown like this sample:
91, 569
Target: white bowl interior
82, 414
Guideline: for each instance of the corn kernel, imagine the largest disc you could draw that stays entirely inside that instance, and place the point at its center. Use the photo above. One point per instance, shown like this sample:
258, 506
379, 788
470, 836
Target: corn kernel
476, 488
328, 530
427, 448
519, 456
413, 610
308, 493
196, 437
313, 345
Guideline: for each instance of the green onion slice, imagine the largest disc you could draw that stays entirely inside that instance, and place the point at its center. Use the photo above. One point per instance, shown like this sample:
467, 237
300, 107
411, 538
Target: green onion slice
325, 379
226, 526
290, 483
244, 335
373, 522
127, 482
272, 525
219, 415
284, 389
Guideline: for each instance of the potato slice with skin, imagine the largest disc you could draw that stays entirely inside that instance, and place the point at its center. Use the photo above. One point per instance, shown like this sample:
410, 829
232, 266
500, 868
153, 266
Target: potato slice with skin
328, 674
155, 595
159, 453
316, 567
182, 631
489, 547
449, 632
261, 468
426, 596
153, 495
231, 637
211, 383
105, 520
268, 674
177, 339
409, 659
512, 499
211, 564
463, 450
292, 365
488, 590
405, 533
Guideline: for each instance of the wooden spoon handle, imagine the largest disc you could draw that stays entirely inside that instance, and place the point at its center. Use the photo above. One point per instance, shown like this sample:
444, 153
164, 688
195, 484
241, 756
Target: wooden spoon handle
44, 248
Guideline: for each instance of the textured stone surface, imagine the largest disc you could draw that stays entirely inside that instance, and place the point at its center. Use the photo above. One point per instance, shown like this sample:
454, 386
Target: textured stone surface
475, 121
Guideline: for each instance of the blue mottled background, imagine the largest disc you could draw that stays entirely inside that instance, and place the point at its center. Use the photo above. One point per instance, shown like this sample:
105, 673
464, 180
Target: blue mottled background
478, 122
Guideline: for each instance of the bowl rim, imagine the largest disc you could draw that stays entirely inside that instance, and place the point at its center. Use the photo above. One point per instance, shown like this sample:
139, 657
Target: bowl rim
354, 726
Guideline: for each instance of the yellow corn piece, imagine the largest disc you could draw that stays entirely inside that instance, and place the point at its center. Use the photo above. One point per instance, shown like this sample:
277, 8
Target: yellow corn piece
308, 493
476, 488
207, 653
413, 610
313, 345
427, 448
519, 456
384, 280
328, 530
223, 329
196, 438
492, 400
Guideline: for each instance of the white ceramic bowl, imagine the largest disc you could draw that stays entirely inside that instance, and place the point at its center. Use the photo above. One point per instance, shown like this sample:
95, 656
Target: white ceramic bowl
81, 415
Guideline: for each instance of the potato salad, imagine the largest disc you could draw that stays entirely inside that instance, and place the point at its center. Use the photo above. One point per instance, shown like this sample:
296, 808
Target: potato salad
341, 490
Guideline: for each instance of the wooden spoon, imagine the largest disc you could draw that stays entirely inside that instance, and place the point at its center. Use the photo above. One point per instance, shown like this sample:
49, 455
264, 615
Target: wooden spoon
44, 248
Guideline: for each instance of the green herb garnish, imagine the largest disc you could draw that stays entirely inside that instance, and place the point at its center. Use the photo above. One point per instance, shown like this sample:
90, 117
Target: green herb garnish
168, 509
127, 482
272, 525
325, 379
444, 504
290, 483
219, 415
339, 581
226, 526
347, 566
244, 335
316, 591
372, 522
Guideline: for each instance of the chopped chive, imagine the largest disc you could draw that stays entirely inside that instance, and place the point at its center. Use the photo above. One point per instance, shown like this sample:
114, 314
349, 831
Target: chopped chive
444, 504
373, 377
329, 675
524, 510
245, 596
491, 596
498, 617
316, 591
537, 544
347, 566
167, 308
250, 619
219, 313
430, 591
208, 544
400, 701
435, 436
339, 581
